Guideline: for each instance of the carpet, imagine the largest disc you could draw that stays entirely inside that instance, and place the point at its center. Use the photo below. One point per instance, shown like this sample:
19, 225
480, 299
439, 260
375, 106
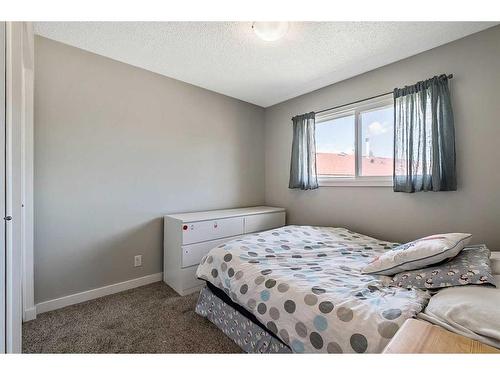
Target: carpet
149, 319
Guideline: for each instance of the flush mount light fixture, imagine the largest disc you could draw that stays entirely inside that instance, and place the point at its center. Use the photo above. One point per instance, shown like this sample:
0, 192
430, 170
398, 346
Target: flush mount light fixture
270, 31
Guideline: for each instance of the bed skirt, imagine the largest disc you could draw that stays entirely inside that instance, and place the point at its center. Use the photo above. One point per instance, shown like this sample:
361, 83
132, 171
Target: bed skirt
249, 336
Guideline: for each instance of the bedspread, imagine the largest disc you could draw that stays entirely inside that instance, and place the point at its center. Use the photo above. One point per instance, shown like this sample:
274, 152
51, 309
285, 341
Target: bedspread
305, 285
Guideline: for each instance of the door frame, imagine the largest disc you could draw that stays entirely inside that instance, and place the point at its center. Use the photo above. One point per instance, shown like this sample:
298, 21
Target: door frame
27, 169
3, 254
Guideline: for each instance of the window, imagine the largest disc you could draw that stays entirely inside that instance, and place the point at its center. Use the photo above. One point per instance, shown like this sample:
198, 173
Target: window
354, 145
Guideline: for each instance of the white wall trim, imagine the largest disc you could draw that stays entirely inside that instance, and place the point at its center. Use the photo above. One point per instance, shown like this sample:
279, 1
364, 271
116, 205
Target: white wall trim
325, 181
29, 314
192, 290
495, 262
73, 299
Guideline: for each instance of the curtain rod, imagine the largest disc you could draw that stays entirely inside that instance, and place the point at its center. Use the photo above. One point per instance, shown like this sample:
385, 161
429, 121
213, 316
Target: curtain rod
449, 76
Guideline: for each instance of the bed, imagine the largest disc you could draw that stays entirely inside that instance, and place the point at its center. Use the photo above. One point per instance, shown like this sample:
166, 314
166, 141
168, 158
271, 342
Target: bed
300, 289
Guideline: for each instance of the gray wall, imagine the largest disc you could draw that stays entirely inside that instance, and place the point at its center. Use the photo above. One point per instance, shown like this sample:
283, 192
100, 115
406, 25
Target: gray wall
117, 147
474, 208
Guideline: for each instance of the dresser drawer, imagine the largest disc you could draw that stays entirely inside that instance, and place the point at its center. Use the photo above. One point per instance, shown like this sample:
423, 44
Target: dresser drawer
232, 226
257, 223
200, 231
192, 254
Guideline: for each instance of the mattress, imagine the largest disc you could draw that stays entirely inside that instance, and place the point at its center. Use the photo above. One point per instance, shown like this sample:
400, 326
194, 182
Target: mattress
472, 311
304, 285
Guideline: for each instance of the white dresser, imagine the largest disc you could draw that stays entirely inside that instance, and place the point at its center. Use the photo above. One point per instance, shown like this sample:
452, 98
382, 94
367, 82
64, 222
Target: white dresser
190, 236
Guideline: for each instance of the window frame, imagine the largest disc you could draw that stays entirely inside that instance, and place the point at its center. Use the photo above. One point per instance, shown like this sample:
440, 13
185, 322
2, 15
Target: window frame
356, 109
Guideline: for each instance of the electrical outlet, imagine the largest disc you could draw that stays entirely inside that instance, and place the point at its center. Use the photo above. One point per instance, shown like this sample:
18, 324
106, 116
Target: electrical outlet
138, 261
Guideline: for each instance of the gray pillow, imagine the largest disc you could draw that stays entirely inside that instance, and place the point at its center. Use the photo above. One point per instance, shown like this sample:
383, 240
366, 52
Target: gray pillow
470, 266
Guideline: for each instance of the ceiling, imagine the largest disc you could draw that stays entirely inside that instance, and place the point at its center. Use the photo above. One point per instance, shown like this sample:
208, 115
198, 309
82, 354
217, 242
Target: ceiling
227, 57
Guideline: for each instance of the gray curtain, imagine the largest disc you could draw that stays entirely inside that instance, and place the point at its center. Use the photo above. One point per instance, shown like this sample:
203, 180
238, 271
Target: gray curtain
424, 137
303, 165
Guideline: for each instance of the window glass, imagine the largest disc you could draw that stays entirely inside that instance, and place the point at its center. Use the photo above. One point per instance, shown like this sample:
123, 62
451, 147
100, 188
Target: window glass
377, 142
335, 147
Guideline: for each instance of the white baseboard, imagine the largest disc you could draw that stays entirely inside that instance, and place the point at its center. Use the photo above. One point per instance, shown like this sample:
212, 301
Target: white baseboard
495, 262
29, 314
73, 299
192, 290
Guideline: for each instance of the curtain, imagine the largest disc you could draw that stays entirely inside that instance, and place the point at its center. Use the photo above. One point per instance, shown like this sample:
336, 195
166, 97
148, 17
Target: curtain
303, 164
424, 137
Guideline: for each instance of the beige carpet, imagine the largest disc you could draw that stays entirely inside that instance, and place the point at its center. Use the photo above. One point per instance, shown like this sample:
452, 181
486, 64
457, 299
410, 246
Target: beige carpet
149, 319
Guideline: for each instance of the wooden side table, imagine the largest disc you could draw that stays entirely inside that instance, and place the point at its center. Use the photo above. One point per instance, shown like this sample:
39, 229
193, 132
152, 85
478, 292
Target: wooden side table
418, 336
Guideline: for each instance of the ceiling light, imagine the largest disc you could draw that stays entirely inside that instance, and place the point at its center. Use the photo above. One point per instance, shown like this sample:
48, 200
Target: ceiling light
270, 31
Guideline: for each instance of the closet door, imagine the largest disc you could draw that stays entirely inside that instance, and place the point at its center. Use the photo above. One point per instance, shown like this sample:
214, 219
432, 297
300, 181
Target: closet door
2, 192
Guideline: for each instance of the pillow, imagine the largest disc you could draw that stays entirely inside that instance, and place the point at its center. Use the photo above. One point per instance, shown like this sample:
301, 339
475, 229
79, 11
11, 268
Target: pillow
471, 266
418, 254
470, 310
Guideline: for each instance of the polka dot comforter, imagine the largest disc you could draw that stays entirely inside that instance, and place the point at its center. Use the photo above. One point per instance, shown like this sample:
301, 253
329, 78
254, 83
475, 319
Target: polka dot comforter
305, 285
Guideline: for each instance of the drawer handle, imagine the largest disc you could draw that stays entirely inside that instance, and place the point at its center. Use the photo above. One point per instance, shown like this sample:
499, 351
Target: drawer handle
215, 225
184, 227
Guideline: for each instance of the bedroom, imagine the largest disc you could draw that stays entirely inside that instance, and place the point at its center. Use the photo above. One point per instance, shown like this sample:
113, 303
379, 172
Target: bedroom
221, 186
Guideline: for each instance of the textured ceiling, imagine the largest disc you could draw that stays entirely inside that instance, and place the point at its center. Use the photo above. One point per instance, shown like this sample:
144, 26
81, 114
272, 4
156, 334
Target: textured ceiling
227, 57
